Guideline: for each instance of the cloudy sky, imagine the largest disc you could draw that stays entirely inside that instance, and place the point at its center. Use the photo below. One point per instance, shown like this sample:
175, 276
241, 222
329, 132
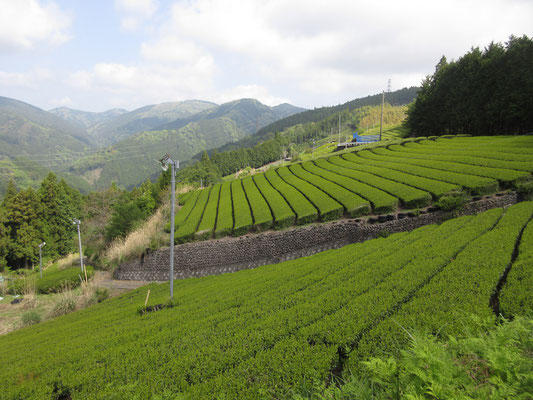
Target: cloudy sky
99, 54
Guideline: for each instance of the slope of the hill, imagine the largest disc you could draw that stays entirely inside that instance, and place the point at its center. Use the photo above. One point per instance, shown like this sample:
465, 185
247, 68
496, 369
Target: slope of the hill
133, 159
278, 330
86, 119
397, 98
377, 178
33, 141
144, 119
248, 114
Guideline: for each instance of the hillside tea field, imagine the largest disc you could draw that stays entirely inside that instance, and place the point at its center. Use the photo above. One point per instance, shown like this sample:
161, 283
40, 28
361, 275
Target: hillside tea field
381, 179
274, 331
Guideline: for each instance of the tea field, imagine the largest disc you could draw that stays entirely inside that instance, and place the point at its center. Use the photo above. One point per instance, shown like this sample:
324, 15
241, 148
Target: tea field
274, 331
403, 173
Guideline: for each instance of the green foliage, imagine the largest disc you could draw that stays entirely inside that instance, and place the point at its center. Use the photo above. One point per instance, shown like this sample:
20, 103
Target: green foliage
516, 296
31, 317
186, 231
453, 201
282, 212
483, 362
55, 281
241, 209
284, 325
525, 190
408, 195
304, 210
224, 223
209, 217
492, 84
260, 209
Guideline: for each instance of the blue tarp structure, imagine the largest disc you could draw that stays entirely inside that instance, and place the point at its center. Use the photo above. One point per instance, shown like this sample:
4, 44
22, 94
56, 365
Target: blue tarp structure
366, 138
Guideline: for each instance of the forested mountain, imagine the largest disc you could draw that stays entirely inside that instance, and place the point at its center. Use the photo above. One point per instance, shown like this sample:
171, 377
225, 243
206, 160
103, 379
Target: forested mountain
145, 118
33, 142
86, 119
249, 114
133, 159
397, 98
484, 92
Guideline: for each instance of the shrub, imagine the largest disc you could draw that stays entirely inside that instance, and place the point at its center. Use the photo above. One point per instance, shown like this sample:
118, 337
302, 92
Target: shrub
64, 304
30, 318
453, 201
525, 190
485, 362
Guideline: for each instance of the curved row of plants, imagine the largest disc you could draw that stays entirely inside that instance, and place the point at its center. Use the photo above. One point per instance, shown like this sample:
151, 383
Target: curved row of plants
275, 331
376, 180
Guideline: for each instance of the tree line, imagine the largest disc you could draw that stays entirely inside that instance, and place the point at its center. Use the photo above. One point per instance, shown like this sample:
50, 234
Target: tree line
484, 92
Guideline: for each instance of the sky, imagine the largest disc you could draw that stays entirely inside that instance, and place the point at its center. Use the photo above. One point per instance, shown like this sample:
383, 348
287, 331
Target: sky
95, 55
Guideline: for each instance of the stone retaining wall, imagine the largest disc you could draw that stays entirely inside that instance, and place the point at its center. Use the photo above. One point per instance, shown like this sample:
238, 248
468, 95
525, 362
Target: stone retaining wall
233, 254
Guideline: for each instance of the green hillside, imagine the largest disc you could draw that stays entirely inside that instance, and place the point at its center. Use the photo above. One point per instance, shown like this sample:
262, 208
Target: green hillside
33, 142
249, 114
86, 119
400, 97
133, 159
144, 119
376, 178
276, 331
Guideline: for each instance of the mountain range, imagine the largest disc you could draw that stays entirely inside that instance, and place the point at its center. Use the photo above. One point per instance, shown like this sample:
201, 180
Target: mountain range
91, 150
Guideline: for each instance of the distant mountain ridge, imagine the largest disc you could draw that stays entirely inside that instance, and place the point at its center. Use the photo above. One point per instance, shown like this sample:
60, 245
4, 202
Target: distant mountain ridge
146, 118
86, 119
131, 160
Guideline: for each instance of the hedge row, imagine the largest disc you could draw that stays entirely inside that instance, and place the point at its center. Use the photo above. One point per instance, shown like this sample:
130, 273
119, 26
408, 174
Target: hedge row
475, 185
271, 332
224, 223
381, 201
517, 294
187, 230
463, 288
282, 212
354, 205
241, 210
209, 218
409, 196
507, 177
304, 210
260, 209
327, 207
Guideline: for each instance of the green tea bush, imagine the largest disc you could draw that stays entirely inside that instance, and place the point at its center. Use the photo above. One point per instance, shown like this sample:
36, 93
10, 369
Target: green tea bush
525, 190
453, 201
55, 281
485, 362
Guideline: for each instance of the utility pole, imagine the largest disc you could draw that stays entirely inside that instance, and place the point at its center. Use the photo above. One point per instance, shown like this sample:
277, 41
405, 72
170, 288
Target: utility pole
339, 129
41, 259
78, 222
382, 105
165, 162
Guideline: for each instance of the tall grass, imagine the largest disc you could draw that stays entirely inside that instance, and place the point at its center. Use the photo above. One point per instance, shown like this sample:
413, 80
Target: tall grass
149, 235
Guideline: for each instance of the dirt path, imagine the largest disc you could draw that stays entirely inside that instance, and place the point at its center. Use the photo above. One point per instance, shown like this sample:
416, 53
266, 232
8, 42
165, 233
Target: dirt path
105, 279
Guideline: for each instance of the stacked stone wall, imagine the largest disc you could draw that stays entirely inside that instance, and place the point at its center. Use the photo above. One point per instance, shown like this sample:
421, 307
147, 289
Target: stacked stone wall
220, 256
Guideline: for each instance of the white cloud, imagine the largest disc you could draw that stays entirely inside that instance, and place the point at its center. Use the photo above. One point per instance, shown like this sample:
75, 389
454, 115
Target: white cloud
29, 80
145, 84
135, 12
24, 23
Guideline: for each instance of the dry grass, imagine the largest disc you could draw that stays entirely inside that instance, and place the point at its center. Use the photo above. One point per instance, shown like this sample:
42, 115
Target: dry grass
68, 261
149, 235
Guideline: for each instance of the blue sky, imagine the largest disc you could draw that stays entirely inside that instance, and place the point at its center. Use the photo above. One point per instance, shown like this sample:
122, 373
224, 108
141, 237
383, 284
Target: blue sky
95, 55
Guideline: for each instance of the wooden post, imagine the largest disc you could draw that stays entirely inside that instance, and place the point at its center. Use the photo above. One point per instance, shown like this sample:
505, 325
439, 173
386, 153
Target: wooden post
147, 296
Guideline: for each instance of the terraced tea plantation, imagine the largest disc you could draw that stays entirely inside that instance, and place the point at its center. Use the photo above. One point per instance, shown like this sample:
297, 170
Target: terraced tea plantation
379, 180
274, 331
